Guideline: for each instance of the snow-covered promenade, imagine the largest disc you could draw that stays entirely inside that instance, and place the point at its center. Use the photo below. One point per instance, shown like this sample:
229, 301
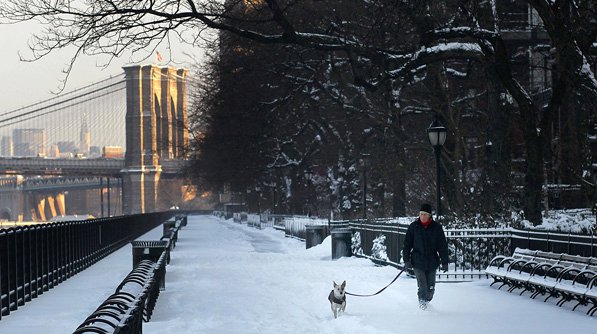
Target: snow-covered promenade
229, 278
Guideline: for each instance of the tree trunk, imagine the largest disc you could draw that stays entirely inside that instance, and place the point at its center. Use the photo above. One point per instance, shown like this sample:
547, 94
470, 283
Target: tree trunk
399, 191
499, 66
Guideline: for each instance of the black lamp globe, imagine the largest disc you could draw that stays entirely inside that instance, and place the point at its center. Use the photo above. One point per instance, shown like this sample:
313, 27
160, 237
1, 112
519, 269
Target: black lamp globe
437, 134
437, 137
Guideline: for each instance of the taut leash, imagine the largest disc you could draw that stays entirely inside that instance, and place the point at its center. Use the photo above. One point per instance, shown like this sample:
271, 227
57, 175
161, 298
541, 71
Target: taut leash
378, 292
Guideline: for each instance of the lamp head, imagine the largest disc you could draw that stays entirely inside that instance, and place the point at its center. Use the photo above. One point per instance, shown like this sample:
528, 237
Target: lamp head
437, 134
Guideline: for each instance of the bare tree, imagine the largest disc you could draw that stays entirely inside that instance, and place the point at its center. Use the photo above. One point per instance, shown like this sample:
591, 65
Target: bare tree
416, 33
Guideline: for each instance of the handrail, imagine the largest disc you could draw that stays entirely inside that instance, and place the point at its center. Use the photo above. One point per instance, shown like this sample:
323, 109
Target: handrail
135, 298
35, 258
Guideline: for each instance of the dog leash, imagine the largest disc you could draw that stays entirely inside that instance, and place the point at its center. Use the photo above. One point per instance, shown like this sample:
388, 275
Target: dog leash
378, 292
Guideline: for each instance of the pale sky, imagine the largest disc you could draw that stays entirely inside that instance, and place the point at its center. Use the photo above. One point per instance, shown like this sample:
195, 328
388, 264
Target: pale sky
25, 83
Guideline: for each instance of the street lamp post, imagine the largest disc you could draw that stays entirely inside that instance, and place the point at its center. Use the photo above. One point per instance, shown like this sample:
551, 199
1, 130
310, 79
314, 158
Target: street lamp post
309, 178
437, 138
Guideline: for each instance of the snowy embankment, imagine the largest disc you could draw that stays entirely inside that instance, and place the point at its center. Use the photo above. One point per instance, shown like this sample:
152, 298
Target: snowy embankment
226, 277
230, 278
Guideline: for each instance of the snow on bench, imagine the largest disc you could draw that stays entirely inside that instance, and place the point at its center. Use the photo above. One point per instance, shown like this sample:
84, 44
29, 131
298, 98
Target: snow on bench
563, 276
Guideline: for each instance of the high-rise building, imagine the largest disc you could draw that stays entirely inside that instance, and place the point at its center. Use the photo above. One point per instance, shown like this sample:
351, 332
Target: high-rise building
6, 148
95, 152
54, 151
67, 147
85, 138
113, 152
29, 142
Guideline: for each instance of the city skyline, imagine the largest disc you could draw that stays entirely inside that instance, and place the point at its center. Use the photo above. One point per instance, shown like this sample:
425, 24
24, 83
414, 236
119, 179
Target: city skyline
32, 142
100, 108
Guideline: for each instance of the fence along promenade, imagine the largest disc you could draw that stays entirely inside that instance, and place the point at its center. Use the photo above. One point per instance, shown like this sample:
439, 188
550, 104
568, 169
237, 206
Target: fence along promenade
36, 258
135, 297
471, 250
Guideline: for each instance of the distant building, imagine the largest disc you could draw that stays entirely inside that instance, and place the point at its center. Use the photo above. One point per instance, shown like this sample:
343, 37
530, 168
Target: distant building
6, 149
95, 152
66, 155
113, 152
54, 151
29, 142
84, 138
67, 147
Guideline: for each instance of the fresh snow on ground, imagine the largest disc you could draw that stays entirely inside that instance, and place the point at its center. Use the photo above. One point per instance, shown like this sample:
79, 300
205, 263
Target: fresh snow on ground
225, 277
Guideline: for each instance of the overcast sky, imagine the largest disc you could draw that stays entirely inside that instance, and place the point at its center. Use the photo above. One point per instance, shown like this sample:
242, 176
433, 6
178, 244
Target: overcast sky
25, 83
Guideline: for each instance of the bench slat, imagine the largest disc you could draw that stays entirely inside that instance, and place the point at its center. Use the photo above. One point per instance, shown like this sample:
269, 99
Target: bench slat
559, 275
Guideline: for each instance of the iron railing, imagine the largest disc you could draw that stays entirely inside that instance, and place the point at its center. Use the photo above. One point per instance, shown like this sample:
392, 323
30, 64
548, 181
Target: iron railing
471, 250
36, 258
135, 298
555, 242
296, 226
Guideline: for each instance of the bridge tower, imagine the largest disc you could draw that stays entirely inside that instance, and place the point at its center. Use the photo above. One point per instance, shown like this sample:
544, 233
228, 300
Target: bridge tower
156, 134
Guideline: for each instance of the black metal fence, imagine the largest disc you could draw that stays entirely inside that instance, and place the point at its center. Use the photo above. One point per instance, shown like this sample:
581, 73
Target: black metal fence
471, 250
35, 258
132, 302
556, 242
135, 298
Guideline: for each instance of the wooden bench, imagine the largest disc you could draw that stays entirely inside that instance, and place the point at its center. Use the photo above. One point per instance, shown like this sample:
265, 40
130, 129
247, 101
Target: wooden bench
553, 275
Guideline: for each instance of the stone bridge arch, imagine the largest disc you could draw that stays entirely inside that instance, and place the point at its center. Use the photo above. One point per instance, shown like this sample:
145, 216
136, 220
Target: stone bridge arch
6, 214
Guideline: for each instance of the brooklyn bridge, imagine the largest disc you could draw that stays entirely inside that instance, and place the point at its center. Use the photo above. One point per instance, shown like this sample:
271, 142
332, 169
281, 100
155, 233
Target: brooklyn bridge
117, 146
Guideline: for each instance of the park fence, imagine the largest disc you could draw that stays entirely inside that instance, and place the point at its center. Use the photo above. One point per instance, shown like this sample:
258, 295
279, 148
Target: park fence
382, 240
471, 250
36, 258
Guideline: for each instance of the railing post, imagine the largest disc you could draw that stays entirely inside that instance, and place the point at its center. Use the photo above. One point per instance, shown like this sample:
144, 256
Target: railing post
60, 236
35, 257
568, 250
3, 273
12, 276
592, 243
27, 259
43, 260
54, 244
19, 267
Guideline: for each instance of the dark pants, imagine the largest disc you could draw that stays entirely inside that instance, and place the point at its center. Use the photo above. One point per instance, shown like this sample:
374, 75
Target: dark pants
426, 283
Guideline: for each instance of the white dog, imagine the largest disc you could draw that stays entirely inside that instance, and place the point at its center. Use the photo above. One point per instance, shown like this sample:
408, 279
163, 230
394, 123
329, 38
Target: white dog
337, 298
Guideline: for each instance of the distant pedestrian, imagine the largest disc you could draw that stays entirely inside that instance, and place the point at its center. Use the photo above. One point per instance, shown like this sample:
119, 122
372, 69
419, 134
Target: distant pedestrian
425, 247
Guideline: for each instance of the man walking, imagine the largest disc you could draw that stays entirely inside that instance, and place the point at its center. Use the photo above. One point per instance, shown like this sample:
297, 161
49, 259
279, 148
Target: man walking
424, 247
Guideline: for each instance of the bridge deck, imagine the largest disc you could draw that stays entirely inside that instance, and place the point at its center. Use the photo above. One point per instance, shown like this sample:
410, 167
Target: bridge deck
78, 167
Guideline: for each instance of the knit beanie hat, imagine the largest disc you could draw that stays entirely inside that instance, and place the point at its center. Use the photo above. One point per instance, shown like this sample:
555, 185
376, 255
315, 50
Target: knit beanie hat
426, 207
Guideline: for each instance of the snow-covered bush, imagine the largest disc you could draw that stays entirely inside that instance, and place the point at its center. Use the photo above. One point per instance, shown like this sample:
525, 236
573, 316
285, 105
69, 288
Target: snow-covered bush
356, 244
378, 251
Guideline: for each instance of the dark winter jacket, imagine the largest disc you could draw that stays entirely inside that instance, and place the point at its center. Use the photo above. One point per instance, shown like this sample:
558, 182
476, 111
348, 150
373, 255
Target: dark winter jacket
424, 248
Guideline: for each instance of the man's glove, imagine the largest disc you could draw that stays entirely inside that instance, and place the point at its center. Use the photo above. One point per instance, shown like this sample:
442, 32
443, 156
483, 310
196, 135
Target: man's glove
407, 265
444, 267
